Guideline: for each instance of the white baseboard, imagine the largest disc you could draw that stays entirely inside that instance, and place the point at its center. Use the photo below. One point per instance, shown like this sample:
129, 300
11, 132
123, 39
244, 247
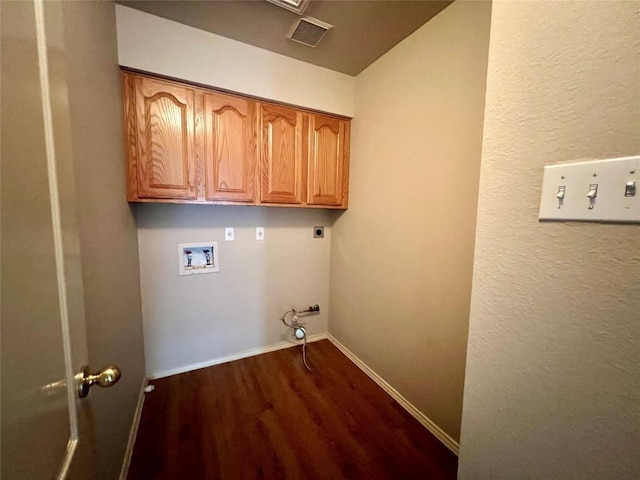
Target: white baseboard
449, 442
236, 356
124, 471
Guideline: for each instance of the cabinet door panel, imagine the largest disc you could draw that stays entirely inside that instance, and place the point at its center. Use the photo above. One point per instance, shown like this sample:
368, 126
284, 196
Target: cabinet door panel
281, 163
165, 140
230, 153
327, 156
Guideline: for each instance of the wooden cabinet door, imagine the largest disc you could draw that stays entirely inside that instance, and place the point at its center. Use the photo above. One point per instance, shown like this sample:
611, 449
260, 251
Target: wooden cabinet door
328, 160
230, 148
165, 139
281, 155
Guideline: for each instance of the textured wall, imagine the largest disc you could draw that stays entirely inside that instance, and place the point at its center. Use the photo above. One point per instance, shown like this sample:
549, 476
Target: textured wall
402, 255
553, 369
106, 225
157, 45
198, 318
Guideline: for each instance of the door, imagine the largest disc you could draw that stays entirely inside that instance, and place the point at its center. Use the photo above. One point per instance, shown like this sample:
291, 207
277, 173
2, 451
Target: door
230, 148
45, 427
281, 156
165, 139
328, 160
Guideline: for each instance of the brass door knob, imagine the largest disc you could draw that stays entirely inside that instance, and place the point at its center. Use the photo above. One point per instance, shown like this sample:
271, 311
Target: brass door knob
106, 377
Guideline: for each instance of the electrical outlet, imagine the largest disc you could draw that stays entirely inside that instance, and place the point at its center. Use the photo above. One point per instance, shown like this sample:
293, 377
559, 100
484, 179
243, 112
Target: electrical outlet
259, 233
229, 234
318, 232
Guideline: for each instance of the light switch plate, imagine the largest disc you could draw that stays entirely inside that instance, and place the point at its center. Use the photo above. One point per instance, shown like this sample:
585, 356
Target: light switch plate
259, 233
566, 189
229, 234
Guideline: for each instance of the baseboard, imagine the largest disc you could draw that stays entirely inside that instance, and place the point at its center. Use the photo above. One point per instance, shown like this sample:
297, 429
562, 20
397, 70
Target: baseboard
124, 471
237, 356
449, 442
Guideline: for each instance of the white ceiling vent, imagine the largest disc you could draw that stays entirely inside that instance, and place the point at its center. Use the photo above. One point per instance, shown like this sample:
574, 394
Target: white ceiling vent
297, 6
308, 31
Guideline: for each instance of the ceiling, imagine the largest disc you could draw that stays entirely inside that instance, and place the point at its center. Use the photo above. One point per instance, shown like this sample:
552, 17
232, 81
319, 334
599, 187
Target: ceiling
363, 30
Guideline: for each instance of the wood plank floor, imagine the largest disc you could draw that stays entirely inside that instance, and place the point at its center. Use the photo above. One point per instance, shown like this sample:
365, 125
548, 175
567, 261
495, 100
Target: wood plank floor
267, 417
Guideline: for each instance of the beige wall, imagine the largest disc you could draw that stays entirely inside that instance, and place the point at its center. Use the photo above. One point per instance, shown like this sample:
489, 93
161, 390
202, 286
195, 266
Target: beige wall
108, 238
157, 45
195, 319
401, 256
553, 370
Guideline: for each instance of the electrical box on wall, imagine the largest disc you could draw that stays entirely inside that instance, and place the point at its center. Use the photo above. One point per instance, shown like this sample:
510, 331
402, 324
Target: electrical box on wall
197, 258
593, 191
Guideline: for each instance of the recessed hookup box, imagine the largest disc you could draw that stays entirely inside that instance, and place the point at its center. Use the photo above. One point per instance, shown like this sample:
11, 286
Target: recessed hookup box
197, 258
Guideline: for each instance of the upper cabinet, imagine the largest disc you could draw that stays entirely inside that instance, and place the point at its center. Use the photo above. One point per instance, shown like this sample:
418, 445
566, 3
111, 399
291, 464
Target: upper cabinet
161, 143
328, 160
281, 156
194, 145
230, 148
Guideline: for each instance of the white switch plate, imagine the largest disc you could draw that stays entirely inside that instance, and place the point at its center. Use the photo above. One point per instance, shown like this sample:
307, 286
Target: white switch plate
610, 204
229, 234
259, 233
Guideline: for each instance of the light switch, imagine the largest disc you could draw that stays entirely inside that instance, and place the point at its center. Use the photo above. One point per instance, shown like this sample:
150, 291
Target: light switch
259, 233
593, 191
229, 234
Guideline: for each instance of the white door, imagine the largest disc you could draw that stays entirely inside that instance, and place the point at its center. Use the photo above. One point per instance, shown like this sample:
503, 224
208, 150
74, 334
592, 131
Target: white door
46, 427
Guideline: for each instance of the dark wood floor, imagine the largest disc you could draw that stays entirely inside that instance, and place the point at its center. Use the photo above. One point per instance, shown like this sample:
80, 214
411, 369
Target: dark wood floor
267, 417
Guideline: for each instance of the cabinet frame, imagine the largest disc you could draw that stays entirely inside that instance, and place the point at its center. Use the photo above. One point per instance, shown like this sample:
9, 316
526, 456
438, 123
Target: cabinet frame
201, 169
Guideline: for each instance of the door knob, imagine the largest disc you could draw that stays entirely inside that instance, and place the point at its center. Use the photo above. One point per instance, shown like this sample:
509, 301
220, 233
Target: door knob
106, 377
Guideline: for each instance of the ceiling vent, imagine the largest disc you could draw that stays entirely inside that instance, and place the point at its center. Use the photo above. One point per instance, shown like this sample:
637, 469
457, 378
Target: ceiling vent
297, 6
308, 31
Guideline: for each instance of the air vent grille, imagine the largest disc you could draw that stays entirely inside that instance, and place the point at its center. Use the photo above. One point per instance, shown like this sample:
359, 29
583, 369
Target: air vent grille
308, 31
